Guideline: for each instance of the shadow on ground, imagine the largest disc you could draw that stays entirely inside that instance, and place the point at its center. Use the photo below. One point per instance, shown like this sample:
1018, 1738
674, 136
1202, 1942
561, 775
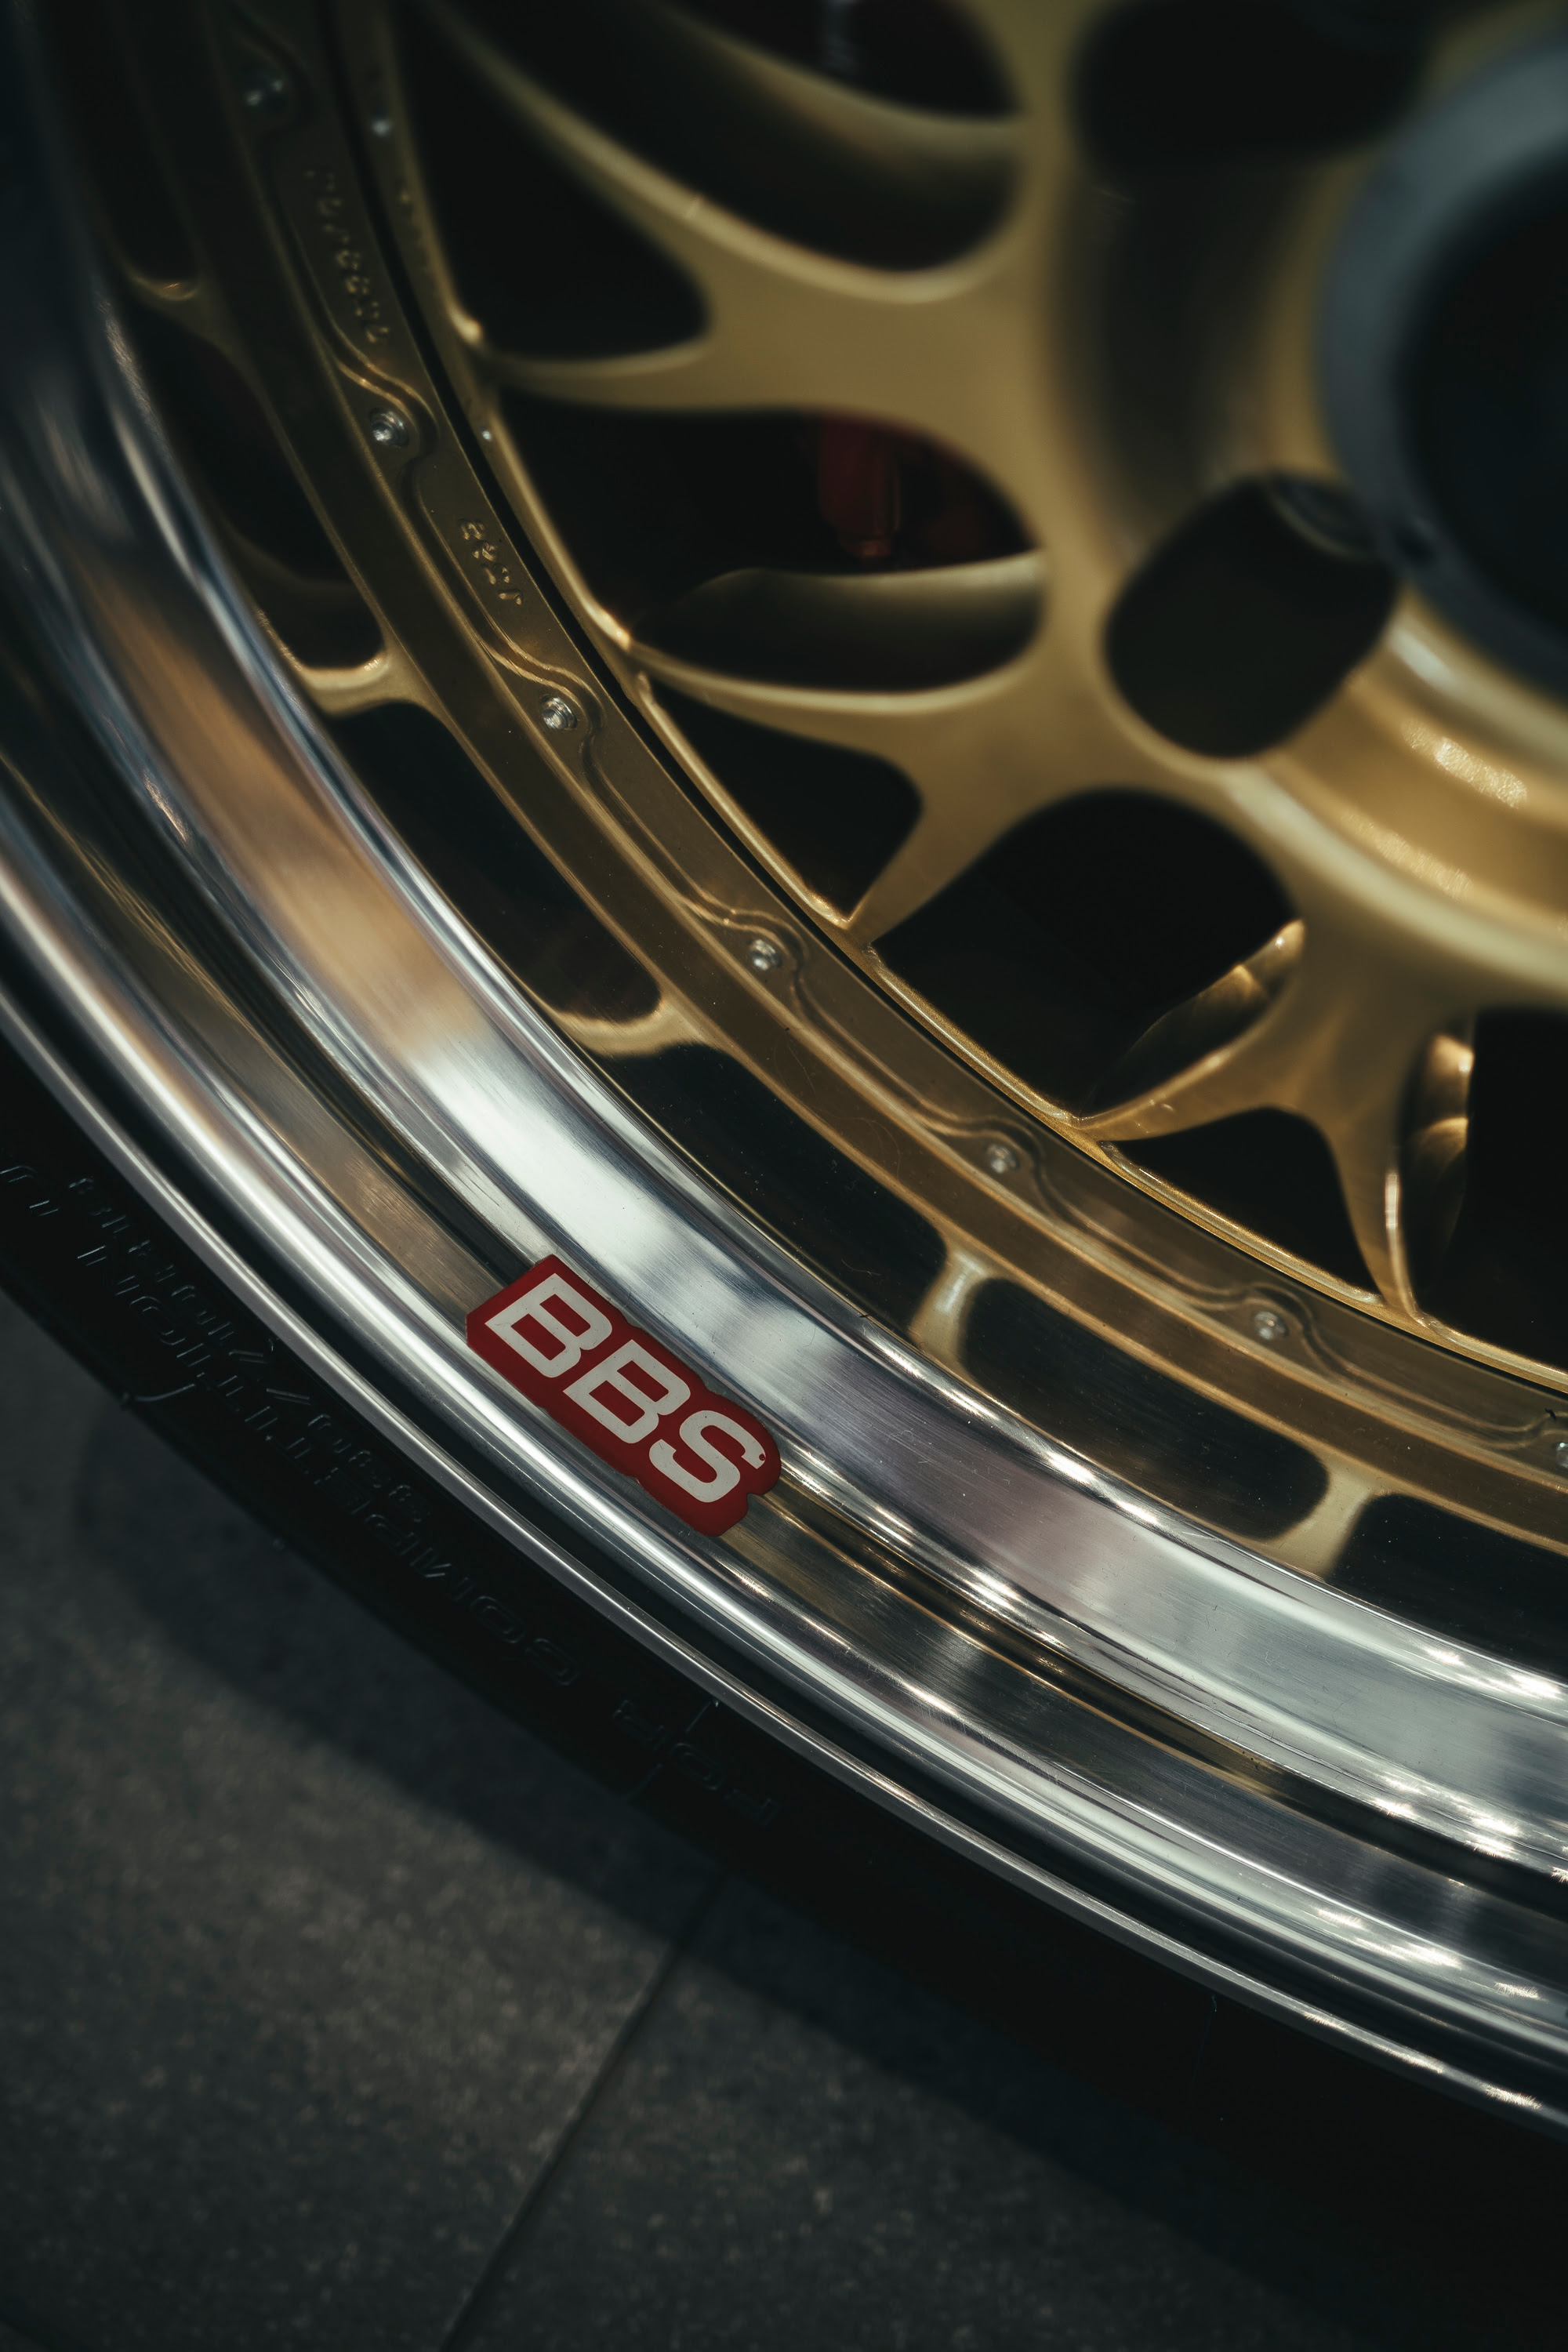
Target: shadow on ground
963, 2156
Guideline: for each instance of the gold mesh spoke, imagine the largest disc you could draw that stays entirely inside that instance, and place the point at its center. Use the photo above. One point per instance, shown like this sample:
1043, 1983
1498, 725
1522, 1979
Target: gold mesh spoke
865, 150
885, 628
1253, 1069
1048, 739
1436, 1147
1406, 820
788, 325
908, 728
983, 755
1361, 1102
927, 735
388, 676
1337, 1044
1197, 1035
938, 1324
784, 333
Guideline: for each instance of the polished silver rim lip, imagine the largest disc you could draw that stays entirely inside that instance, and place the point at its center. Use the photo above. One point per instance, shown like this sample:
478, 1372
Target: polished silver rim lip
1309, 1908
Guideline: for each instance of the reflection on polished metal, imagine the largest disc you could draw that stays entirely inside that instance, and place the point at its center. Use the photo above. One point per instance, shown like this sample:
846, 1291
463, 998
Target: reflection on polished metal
292, 281
1351, 1811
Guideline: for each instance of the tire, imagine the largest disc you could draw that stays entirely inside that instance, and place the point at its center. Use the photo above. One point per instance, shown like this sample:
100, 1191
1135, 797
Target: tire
112, 1282
1128, 1561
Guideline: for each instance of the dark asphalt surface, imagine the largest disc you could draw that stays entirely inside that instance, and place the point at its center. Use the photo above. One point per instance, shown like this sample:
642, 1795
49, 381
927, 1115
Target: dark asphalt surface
334, 2010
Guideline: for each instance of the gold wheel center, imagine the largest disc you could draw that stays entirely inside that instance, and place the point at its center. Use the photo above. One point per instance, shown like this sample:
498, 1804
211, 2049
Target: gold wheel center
998, 747
1122, 364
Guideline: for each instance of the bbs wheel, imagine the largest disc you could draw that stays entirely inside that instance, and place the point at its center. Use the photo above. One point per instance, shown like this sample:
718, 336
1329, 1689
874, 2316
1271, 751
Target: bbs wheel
784, 870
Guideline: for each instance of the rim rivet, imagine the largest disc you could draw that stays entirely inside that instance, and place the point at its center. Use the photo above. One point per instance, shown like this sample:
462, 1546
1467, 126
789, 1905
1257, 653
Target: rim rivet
1560, 1453
1269, 1327
764, 955
263, 89
388, 430
1001, 1158
556, 713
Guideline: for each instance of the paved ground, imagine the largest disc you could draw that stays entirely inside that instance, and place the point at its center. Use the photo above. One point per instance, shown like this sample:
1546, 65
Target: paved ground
334, 2011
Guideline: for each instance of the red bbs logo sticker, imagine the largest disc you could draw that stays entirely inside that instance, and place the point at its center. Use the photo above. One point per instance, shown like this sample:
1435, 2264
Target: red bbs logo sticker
615, 1388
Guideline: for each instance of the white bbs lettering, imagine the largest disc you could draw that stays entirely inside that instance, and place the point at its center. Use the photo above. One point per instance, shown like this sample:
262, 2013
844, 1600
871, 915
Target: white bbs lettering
571, 1346
668, 1391
622, 1393
724, 1467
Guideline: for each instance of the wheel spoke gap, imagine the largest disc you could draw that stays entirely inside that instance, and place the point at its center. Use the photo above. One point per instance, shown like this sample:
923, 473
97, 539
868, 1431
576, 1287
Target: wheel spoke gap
1268, 1172
1081, 931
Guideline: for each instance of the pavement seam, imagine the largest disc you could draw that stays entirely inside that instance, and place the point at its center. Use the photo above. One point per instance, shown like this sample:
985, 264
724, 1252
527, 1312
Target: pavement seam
482, 2298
